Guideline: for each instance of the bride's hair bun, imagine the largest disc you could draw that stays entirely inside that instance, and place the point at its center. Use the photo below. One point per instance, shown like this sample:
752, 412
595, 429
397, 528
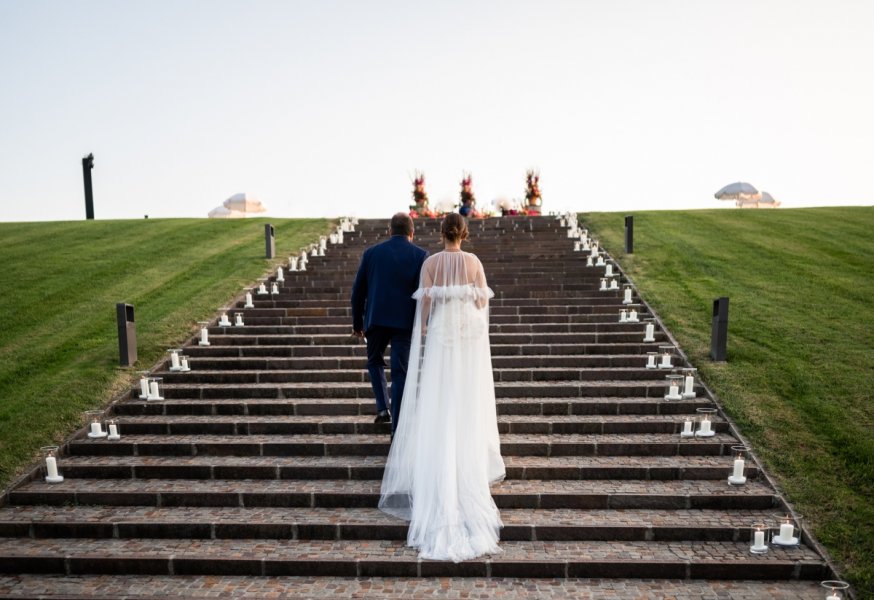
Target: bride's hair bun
454, 227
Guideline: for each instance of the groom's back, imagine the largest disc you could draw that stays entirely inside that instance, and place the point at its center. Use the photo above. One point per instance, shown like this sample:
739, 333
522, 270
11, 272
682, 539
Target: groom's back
386, 279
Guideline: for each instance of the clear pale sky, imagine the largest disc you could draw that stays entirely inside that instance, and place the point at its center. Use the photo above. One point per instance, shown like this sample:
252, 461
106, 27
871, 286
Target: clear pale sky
326, 107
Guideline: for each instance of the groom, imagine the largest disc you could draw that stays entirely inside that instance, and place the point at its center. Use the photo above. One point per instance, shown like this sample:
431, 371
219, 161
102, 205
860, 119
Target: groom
383, 310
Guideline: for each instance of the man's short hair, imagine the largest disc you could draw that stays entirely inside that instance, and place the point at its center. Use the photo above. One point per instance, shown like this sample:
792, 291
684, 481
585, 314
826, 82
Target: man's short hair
402, 224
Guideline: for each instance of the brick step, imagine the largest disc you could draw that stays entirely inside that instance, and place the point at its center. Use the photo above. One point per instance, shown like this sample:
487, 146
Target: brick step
212, 358
365, 406
654, 388
371, 467
369, 523
600, 351
199, 375
495, 309
363, 424
395, 588
602, 299
278, 316
580, 284
240, 336
643, 444
351, 493
266, 328
387, 558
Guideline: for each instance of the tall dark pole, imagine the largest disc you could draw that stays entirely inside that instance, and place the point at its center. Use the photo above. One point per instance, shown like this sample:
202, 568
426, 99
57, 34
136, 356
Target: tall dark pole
87, 165
629, 234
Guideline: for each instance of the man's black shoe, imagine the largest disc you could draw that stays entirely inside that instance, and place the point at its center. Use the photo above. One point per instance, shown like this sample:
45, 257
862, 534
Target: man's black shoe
382, 417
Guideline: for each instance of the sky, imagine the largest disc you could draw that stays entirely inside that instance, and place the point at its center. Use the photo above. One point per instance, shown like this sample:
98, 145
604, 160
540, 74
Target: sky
326, 108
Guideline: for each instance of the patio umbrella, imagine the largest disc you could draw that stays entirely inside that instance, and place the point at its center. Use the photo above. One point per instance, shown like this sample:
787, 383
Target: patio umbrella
739, 190
766, 198
222, 212
244, 203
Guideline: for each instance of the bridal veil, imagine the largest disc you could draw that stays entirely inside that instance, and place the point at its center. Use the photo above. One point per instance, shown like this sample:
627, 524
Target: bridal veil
446, 449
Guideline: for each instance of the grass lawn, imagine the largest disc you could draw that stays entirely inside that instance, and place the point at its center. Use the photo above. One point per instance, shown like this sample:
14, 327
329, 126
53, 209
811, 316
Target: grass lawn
800, 345
60, 282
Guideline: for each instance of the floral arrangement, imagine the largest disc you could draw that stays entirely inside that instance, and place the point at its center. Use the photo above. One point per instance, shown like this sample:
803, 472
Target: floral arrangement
467, 197
532, 192
420, 207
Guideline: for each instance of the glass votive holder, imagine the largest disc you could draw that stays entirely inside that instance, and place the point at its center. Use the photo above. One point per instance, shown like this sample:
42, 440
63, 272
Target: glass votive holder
114, 430
94, 423
836, 589
788, 532
651, 360
633, 313
666, 354
673, 385
739, 458
184, 367
204, 338
758, 533
689, 374
50, 464
224, 321
175, 364
705, 422
156, 387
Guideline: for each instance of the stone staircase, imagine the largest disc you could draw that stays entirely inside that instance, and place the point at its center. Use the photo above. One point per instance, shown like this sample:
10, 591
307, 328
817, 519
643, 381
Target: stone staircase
260, 471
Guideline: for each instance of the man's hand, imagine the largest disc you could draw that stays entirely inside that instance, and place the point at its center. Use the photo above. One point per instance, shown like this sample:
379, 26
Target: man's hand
358, 334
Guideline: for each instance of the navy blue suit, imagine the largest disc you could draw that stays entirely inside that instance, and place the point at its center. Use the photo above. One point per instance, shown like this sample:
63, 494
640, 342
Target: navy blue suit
383, 308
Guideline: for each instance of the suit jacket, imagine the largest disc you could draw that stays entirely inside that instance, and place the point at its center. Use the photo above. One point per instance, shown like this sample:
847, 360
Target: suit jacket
386, 280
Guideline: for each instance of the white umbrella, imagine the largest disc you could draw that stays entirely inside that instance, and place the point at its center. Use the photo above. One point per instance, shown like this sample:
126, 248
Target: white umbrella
222, 212
244, 203
739, 190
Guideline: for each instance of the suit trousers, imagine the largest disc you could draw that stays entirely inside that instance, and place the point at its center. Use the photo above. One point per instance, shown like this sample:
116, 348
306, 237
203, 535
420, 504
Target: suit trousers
378, 338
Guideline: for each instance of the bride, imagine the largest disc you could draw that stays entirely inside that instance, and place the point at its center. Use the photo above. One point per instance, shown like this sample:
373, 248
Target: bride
446, 449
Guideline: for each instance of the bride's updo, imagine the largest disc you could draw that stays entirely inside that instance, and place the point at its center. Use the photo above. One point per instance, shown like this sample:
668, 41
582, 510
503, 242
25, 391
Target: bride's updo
454, 227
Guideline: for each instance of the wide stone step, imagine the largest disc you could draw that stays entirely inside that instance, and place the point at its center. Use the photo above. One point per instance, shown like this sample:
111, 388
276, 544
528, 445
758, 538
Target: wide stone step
395, 588
647, 444
239, 336
268, 326
653, 388
210, 359
371, 467
351, 493
277, 316
390, 558
369, 523
363, 424
365, 406
359, 375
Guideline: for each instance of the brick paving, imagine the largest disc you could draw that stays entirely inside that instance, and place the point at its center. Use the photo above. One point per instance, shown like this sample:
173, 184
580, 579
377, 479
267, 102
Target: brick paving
258, 475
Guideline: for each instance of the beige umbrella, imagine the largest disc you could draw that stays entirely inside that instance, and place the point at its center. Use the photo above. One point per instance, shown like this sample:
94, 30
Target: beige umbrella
244, 203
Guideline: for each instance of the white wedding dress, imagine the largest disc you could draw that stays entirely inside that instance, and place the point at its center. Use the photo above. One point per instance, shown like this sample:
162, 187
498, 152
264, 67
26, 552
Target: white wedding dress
446, 449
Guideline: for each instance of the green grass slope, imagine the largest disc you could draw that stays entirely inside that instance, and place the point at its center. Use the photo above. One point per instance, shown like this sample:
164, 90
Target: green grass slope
800, 347
60, 283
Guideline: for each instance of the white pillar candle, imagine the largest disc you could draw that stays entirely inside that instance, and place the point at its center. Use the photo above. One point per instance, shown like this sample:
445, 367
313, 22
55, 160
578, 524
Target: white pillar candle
280, 276
600, 262
650, 333
113, 430
52, 466
274, 289
673, 391
562, 222
204, 336
690, 386
687, 427
603, 284
632, 316
144, 388
174, 359
303, 266
238, 319
627, 298
224, 320
705, 426
292, 263
833, 597
576, 246
614, 285
262, 289
594, 251
153, 390
759, 539
608, 271
666, 360
184, 363
315, 251
650, 361
589, 262
95, 428
786, 532
738, 471
623, 316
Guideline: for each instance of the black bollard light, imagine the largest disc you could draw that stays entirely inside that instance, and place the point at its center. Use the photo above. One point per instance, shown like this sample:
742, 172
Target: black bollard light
629, 234
127, 334
269, 240
87, 165
719, 331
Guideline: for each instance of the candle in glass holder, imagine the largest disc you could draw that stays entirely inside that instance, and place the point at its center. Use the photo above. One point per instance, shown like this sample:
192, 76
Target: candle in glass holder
274, 289
224, 321
608, 270
649, 335
600, 262
650, 360
113, 430
280, 276
666, 360
174, 360
204, 333
183, 363
627, 297
144, 387
576, 246
589, 262
249, 302
705, 429
51, 466
292, 263
238, 320
262, 289
787, 535
303, 266
614, 285
623, 316
687, 428
632, 316
689, 387
52, 474
603, 285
